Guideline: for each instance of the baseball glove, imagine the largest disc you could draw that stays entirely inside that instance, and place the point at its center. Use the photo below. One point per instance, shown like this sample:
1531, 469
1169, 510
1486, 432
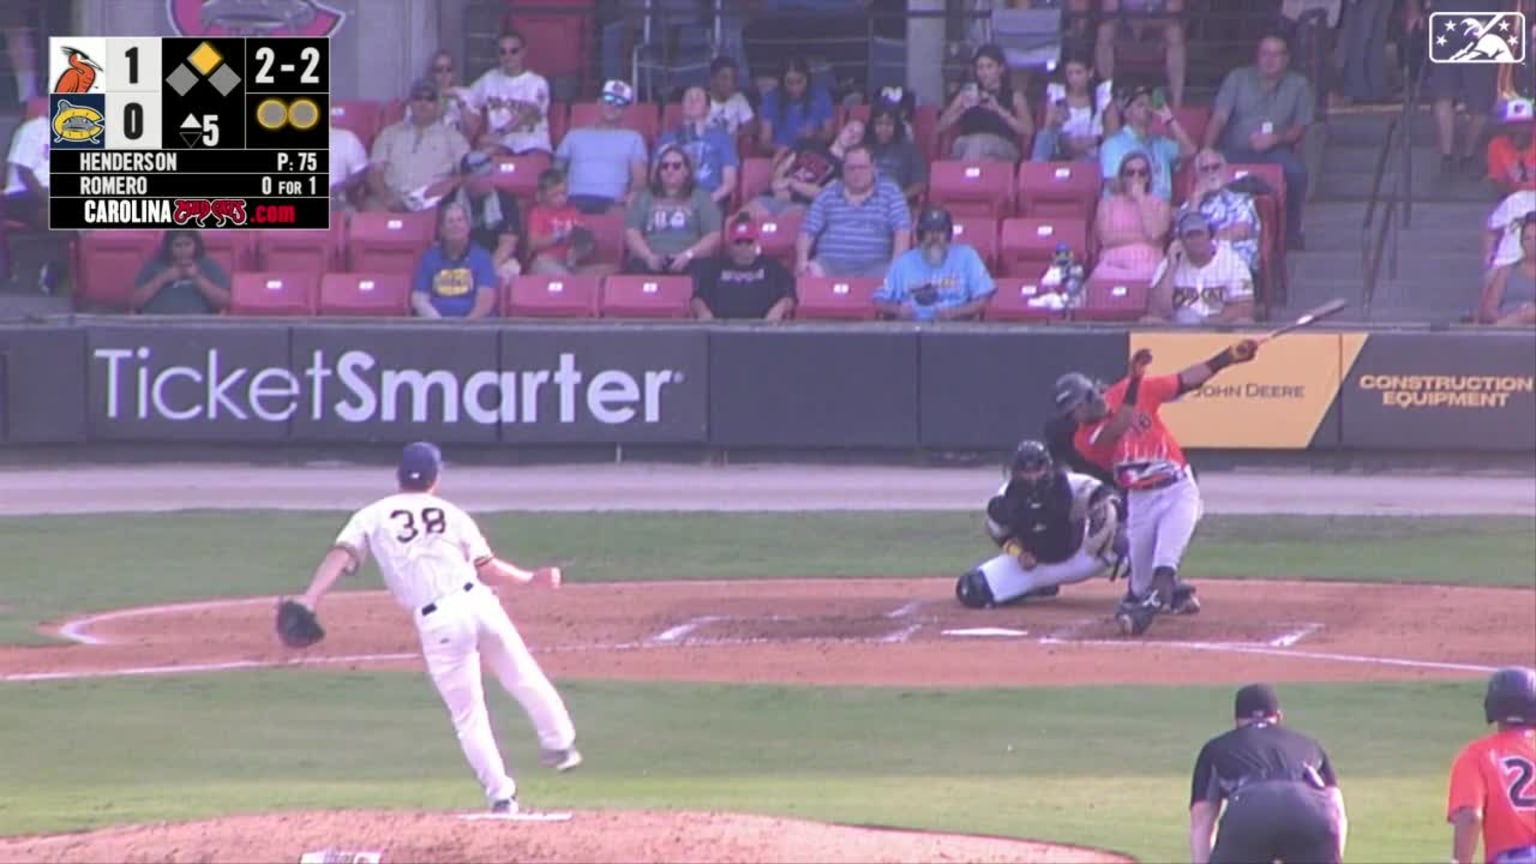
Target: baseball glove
297, 625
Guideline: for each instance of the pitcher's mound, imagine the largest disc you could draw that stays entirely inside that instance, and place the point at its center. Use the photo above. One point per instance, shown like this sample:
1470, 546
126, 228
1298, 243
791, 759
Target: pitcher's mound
620, 836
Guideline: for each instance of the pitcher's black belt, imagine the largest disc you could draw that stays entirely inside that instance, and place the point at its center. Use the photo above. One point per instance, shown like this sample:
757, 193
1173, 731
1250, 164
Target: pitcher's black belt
432, 607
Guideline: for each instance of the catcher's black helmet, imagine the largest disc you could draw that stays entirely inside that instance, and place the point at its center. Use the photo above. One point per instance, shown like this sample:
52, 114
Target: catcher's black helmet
1511, 697
1031, 456
1073, 390
935, 219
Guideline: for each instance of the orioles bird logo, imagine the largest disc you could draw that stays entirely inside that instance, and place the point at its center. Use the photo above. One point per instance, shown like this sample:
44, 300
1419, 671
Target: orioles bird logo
80, 75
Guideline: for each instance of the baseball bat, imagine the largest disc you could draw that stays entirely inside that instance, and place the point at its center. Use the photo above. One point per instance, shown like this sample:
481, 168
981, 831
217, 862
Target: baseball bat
1311, 316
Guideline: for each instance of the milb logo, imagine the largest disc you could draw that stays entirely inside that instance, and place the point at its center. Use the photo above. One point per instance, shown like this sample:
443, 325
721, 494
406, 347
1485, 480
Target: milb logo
364, 391
1477, 37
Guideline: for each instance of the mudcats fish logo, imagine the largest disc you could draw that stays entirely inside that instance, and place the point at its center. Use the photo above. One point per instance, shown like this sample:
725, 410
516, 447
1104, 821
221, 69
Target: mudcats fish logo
253, 17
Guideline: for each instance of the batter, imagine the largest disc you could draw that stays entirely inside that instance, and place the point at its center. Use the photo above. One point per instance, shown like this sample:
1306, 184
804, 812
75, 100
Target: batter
1121, 430
1054, 527
436, 563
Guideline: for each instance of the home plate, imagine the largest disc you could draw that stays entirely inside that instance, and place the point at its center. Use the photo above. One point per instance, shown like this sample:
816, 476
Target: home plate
986, 631
525, 816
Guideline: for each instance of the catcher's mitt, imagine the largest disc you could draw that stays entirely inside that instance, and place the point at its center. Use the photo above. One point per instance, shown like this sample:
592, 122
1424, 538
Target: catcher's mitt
297, 625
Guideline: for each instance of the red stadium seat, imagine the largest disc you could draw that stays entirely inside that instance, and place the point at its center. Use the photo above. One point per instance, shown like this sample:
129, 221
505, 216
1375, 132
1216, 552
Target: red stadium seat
1028, 245
1049, 189
388, 242
1114, 300
777, 235
1011, 302
549, 296
302, 251
972, 188
559, 36
559, 121
756, 177
635, 296
274, 293
980, 234
109, 261
392, 112
671, 116
386, 295
608, 234
361, 116
520, 174
1194, 119
642, 117
835, 298
234, 250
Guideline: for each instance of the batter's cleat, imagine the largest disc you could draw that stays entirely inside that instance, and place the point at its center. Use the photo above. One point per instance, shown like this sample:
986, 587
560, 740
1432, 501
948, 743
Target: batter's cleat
1041, 593
1135, 616
1184, 600
560, 760
1165, 584
504, 807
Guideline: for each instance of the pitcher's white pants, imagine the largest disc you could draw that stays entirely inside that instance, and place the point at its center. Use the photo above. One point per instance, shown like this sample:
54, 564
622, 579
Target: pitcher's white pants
1009, 581
465, 627
1161, 523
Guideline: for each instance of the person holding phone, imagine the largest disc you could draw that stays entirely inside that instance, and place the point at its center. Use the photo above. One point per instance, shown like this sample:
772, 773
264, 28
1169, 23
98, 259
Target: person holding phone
1075, 121
1139, 104
989, 115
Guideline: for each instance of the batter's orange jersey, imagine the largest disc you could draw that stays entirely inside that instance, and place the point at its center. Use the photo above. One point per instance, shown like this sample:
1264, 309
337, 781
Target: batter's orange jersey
1146, 454
1496, 776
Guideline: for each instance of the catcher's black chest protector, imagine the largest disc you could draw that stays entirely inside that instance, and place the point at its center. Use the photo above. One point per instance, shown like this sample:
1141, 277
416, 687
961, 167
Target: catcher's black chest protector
1041, 519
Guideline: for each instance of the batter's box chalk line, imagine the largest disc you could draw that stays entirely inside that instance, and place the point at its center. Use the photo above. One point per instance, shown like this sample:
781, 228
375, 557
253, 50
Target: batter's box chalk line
682, 634
523, 816
985, 632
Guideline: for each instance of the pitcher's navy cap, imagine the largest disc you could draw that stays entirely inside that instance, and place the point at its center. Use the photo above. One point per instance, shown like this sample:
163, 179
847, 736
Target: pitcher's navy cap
1256, 701
420, 463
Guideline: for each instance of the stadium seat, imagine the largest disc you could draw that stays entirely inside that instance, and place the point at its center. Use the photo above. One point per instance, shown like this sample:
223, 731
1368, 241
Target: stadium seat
1194, 119
972, 188
671, 116
109, 261
608, 232
835, 298
392, 112
388, 242
520, 174
1114, 300
274, 293
980, 234
1058, 189
301, 251
1011, 302
559, 121
756, 177
559, 36
234, 250
777, 235
360, 116
551, 296
634, 296
642, 117
385, 295
1026, 246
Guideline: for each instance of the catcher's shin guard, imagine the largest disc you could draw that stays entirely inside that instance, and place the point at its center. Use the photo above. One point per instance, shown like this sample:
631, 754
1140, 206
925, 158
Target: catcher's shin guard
972, 590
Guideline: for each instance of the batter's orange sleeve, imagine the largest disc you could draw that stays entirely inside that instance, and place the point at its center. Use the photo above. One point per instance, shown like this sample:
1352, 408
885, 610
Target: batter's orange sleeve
1157, 390
1467, 786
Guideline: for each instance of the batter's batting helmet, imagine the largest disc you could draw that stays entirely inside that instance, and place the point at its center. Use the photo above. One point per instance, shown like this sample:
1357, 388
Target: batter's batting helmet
1073, 390
1511, 697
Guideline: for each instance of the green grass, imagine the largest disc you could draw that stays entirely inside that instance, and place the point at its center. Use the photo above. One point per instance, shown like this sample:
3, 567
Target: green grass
57, 566
1100, 766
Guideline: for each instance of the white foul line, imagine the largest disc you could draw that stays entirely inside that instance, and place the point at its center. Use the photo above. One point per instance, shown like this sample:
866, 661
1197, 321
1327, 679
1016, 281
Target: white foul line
1264, 650
1289, 639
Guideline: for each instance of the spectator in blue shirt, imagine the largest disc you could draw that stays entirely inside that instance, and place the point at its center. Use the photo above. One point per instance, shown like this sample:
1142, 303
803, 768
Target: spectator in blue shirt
940, 280
455, 278
1136, 112
604, 163
857, 225
795, 112
711, 148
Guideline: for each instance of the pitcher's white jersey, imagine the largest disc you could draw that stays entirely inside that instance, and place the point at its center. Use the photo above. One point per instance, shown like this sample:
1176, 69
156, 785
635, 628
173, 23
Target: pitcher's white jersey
425, 547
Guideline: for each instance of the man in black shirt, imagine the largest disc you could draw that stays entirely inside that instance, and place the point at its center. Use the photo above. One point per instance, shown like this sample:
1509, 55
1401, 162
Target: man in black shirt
1054, 528
742, 283
1282, 800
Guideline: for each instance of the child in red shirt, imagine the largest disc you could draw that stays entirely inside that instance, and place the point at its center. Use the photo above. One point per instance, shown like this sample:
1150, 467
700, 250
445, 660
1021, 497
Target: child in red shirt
559, 241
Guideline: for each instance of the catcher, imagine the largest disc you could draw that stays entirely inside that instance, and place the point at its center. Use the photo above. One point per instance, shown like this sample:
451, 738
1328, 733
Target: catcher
1054, 527
437, 564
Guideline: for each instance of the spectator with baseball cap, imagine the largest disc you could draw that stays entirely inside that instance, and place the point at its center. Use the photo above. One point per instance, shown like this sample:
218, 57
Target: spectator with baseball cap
415, 161
1137, 112
1201, 281
742, 282
1282, 800
495, 222
1512, 152
940, 280
604, 163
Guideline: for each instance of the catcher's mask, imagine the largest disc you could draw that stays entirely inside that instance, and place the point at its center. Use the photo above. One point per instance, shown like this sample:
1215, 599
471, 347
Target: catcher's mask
1075, 390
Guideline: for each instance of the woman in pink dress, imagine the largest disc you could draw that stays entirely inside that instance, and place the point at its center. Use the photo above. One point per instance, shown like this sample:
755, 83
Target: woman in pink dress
1132, 224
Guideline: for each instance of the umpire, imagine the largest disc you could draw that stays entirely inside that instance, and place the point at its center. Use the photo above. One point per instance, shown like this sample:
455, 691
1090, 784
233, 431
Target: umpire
1283, 802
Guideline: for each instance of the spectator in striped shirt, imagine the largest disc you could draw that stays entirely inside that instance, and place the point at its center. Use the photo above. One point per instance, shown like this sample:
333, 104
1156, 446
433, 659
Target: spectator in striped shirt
1201, 281
856, 226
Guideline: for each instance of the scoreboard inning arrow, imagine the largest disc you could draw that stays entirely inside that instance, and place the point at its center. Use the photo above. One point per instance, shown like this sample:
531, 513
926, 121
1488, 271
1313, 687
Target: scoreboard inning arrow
191, 130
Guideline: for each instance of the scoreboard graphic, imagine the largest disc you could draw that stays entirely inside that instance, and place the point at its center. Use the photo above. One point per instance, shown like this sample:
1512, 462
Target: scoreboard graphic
220, 132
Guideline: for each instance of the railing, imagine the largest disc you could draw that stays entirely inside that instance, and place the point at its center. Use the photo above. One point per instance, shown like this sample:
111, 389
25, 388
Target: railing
1397, 212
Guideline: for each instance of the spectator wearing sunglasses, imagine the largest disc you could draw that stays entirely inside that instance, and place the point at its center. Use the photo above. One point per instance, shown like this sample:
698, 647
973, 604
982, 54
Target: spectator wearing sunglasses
453, 98
515, 101
1131, 224
604, 163
1233, 213
672, 224
743, 283
415, 162
1139, 105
